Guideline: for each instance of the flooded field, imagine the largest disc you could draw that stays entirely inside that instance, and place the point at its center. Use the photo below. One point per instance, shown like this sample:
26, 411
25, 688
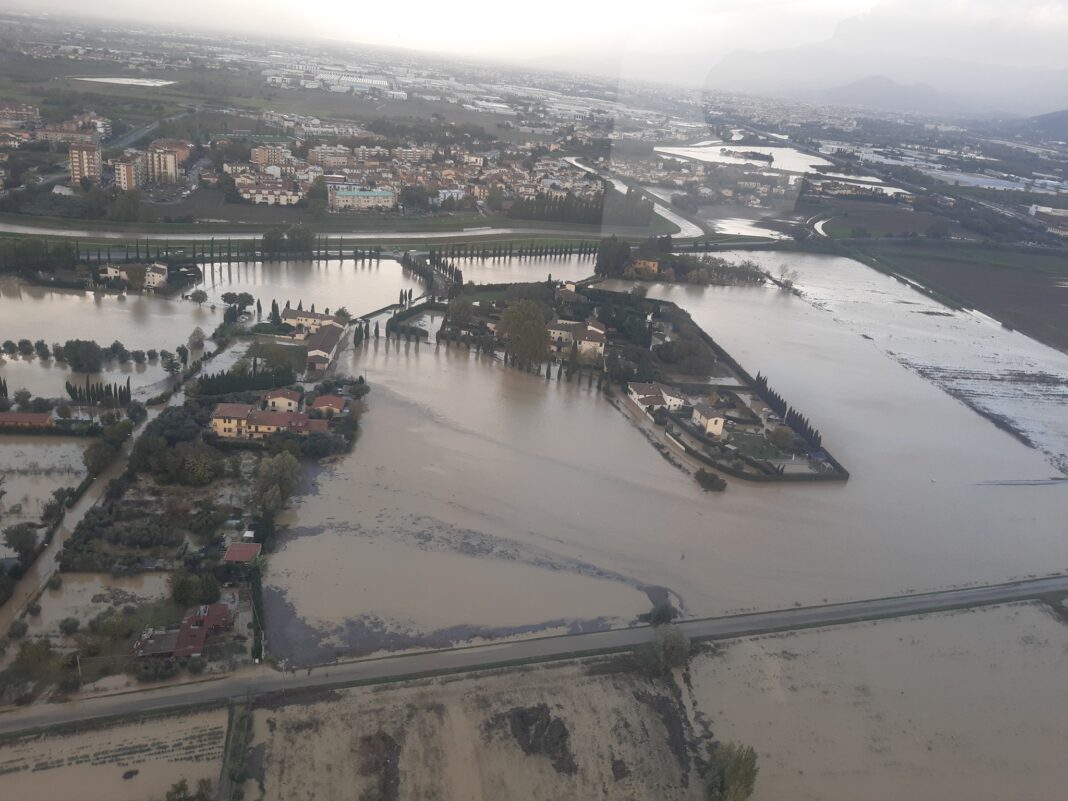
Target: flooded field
963, 706
359, 286
126, 762
788, 159
494, 470
140, 322
594, 736
33, 468
507, 270
1009, 377
85, 595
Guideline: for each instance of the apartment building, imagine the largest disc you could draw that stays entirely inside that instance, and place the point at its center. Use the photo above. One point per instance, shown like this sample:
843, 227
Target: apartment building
162, 165
330, 156
181, 147
344, 197
131, 171
85, 162
266, 155
270, 193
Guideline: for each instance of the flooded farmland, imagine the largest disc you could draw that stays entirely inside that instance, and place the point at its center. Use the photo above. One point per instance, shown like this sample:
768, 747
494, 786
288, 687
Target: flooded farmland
154, 322
140, 322
32, 469
495, 468
85, 595
1017, 382
125, 762
964, 706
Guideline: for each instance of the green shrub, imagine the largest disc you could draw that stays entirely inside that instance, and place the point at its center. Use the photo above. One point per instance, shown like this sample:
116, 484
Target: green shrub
17, 630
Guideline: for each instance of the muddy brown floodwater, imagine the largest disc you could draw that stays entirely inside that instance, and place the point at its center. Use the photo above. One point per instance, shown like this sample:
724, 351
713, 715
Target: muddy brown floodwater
32, 468
516, 482
130, 761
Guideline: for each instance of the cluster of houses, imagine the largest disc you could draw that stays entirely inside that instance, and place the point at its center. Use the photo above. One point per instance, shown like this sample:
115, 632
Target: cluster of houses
374, 177
651, 397
320, 333
190, 638
588, 337
281, 414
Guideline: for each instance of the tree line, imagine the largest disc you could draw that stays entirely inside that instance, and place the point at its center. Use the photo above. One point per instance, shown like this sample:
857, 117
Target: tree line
608, 208
794, 419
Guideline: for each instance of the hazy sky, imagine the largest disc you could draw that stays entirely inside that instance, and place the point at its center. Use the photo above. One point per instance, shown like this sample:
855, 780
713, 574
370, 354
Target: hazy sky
667, 40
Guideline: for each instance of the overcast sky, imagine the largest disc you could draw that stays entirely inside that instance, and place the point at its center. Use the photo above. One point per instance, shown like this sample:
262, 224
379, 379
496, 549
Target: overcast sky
662, 40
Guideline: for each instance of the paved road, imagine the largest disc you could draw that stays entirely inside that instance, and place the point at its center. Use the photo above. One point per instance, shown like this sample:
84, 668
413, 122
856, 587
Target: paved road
263, 680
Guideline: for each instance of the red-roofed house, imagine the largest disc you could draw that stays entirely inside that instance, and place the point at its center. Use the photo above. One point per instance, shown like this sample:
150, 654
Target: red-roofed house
26, 419
282, 400
242, 552
241, 421
330, 404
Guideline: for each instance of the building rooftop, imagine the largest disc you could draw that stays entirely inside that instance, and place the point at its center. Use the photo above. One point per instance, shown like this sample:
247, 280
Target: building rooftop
242, 410
25, 418
329, 402
289, 394
242, 552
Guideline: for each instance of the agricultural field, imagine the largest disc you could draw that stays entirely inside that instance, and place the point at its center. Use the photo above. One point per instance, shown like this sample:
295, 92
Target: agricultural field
133, 761
555, 732
961, 706
1023, 289
851, 218
31, 469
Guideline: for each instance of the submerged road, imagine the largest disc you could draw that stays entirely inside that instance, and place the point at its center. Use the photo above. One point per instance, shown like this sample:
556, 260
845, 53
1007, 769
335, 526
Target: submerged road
263, 680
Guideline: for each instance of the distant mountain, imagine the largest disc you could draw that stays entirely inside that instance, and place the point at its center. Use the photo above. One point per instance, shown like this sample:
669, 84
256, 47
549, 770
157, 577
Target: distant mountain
832, 69
1051, 126
881, 92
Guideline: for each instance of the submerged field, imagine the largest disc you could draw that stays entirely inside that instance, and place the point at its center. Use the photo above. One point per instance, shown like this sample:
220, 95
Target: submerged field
962, 706
133, 761
1025, 290
965, 706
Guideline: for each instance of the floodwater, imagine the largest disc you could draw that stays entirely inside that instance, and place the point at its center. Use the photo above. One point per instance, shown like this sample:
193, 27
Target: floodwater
140, 322
687, 229
498, 469
1004, 374
965, 706
150, 82
124, 762
85, 595
788, 159
359, 286
735, 226
516, 269
33, 468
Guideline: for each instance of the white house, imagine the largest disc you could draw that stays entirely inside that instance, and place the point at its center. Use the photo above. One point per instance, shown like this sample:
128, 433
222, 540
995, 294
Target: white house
155, 276
655, 396
282, 400
309, 321
707, 419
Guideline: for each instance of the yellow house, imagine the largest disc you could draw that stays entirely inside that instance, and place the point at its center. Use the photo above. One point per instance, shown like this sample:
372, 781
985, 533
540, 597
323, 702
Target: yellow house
649, 265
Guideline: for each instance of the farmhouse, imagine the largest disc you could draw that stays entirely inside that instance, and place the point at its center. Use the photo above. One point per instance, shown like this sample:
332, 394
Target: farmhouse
321, 347
190, 639
330, 404
26, 420
308, 321
243, 421
651, 397
282, 400
707, 419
